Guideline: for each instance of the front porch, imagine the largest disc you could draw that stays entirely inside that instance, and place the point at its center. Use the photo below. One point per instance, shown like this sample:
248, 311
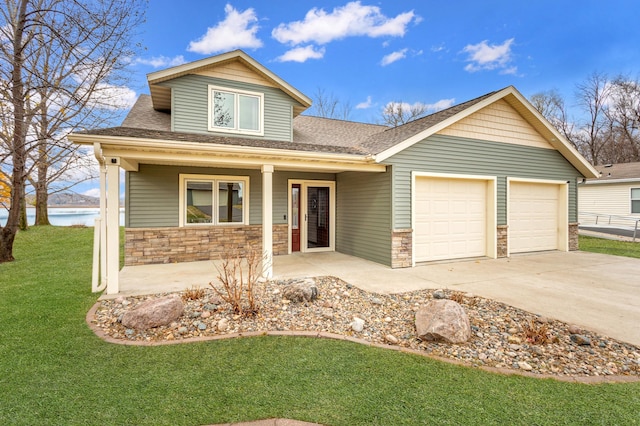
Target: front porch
173, 277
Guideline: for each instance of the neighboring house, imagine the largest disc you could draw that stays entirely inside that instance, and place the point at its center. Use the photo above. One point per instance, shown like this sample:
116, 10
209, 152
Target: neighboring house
219, 158
616, 192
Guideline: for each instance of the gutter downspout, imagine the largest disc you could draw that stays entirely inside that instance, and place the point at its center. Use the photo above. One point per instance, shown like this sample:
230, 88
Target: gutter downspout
99, 276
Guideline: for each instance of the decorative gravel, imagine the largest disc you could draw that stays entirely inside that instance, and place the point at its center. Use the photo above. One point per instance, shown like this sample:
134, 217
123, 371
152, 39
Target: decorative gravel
498, 330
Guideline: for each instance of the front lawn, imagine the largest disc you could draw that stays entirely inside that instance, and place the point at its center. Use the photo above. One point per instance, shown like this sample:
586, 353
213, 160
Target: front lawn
54, 370
606, 246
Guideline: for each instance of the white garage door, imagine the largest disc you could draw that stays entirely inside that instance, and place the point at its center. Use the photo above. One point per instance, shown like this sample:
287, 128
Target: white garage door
533, 217
451, 216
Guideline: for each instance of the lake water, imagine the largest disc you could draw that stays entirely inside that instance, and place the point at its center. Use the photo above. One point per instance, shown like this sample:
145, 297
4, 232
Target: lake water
64, 216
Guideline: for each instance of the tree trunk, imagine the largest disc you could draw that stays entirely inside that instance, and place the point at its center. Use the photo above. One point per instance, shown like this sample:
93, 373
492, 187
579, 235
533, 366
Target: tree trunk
6, 244
42, 214
42, 195
24, 222
18, 149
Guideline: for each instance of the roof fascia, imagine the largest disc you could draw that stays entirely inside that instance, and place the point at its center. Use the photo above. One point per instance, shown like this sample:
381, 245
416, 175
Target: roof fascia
436, 128
555, 138
604, 181
168, 149
169, 73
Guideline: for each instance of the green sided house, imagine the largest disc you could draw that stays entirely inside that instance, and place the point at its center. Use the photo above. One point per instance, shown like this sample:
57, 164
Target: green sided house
220, 157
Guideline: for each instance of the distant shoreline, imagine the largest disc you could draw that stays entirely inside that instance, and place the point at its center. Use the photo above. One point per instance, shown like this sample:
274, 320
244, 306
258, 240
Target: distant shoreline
72, 206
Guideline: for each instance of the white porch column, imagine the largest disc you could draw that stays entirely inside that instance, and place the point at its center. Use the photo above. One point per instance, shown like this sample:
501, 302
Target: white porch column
267, 219
99, 273
113, 225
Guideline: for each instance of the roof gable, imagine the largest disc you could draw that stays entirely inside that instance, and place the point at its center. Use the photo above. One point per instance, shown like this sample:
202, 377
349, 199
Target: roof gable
390, 142
497, 122
235, 65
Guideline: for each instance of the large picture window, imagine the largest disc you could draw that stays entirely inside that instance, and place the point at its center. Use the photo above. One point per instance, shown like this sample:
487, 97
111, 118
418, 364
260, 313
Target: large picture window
235, 111
635, 200
213, 200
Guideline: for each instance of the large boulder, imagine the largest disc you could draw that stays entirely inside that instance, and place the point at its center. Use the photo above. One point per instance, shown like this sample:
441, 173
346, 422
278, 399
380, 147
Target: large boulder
443, 320
154, 313
301, 291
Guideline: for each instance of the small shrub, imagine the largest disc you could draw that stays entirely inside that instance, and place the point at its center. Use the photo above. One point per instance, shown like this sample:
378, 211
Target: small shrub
536, 334
239, 274
457, 297
194, 293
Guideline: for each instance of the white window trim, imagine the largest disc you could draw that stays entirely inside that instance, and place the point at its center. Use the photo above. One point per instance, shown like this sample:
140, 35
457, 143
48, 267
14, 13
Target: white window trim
236, 129
631, 200
214, 179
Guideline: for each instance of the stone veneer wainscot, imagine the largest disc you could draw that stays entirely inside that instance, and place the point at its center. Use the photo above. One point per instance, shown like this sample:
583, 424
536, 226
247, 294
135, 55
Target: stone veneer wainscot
145, 246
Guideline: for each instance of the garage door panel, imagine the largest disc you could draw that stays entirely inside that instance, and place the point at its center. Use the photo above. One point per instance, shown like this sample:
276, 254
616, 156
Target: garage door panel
533, 217
450, 219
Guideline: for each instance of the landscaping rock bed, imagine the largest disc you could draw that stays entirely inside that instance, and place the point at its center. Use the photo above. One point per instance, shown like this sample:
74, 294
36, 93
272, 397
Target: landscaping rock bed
498, 337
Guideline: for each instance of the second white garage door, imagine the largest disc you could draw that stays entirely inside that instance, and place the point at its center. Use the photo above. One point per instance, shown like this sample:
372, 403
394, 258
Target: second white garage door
533, 216
450, 218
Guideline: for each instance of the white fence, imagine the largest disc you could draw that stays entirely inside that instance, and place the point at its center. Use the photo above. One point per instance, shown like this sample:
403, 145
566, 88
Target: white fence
609, 221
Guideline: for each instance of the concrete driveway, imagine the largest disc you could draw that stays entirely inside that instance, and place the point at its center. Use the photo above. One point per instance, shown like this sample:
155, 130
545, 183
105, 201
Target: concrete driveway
595, 291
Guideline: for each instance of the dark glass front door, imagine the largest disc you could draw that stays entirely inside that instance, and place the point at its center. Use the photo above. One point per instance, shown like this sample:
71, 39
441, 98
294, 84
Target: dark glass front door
317, 217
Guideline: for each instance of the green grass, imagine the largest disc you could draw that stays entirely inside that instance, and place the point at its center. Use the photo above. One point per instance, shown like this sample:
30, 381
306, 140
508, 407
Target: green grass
54, 370
605, 246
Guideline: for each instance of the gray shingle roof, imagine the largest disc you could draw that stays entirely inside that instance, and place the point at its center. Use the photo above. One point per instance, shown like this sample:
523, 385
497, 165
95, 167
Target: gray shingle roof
321, 131
382, 141
137, 133
143, 116
618, 171
311, 134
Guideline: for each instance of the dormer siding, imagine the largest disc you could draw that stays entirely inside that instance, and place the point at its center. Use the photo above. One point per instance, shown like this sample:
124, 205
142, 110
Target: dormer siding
190, 109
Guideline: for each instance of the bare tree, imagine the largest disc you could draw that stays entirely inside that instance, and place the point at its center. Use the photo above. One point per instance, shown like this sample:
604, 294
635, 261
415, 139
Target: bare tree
552, 107
398, 113
623, 111
596, 130
58, 58
328, 106
608, 130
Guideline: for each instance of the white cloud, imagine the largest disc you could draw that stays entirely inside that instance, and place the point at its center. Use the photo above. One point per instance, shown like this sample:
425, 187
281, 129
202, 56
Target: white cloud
434, 107
301, 54
93, 192
393, 57
441, 104
162, 61
353, 19
366, 104
238, 30
483, 56
114, 97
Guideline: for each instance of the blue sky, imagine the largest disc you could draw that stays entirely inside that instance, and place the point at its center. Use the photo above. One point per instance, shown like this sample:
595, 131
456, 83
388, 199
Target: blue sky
369, 53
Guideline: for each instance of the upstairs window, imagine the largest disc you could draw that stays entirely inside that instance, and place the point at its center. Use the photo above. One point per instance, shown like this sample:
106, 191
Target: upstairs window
235, 111
635, 200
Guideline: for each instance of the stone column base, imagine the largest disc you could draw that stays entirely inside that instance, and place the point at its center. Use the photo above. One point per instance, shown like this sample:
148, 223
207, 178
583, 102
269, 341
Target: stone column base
401, 248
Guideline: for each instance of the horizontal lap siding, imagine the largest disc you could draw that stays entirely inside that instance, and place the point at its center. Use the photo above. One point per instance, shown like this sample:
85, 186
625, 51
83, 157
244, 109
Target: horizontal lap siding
153, 194
497, 122
190, 96
363, 217
455, 155
611, 199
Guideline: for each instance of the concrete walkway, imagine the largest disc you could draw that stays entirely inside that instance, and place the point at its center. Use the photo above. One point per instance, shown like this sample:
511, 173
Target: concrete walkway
595, 291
